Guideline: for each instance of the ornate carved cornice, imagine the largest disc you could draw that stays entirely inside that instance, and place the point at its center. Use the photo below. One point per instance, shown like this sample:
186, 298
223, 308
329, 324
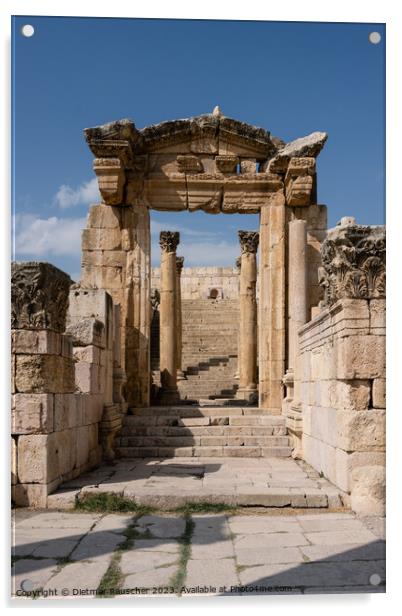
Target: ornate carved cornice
169, 240
248, 241
39, 296
179, 264
353, 263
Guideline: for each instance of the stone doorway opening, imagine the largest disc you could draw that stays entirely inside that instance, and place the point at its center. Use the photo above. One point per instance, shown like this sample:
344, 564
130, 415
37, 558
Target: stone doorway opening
207, 314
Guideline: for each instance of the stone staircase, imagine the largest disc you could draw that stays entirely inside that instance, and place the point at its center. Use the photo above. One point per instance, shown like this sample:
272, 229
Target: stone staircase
209, 349
196, 431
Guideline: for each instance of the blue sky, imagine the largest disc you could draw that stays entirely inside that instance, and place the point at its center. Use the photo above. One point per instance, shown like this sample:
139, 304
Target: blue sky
290, 78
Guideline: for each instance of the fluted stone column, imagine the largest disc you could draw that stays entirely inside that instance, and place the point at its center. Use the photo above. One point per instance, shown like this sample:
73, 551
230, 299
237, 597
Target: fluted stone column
248, 316
168, 317
297, 294
179, 325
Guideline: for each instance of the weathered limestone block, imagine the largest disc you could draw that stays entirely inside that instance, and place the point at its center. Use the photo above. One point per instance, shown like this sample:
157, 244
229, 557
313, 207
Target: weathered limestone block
44, 373
346, 462
361, 357
101, 216
99, 239
377, 316
353, 395
32, 413
88, 378
39, 296
299, 181
361, 430
87, 332
353, 263
31, 341
189, 163
109, 426
111, 179
226, 164
378, 394
82, 444
43, 458
368, 490
309, 146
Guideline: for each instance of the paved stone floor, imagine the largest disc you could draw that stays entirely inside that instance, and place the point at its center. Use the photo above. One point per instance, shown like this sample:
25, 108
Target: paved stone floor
60, 554
169, 483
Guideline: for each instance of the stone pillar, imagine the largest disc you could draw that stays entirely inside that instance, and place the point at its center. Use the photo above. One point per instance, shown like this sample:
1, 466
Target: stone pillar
168, 365
297, 294
248, 317
272, 303
236, 375
179, 325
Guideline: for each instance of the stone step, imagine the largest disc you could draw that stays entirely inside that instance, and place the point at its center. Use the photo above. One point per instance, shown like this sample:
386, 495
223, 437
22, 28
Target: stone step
204, 452
247, 414
203, 430
203, 440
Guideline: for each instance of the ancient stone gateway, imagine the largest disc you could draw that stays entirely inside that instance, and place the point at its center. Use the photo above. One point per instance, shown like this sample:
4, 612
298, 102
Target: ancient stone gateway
307, 324
218, 165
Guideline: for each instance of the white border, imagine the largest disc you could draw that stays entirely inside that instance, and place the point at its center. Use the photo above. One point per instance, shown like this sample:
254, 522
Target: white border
386, 11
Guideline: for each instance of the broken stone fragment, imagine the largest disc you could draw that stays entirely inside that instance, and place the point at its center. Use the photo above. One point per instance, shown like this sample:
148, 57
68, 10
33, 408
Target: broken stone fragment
86, 332
311, 145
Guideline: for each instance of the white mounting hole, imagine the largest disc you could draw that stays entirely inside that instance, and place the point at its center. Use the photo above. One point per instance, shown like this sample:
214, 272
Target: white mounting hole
375, 579
375, 38
28, 30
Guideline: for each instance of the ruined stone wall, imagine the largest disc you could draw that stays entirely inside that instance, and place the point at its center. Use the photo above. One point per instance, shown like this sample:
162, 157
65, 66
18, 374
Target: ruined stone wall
200, 282
63, 409
341, 369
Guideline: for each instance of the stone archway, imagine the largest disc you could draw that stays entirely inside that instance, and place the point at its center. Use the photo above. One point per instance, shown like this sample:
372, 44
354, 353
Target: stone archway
218, 165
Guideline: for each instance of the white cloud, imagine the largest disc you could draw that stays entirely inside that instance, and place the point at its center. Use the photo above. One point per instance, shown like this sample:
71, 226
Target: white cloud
84, 194
44, 237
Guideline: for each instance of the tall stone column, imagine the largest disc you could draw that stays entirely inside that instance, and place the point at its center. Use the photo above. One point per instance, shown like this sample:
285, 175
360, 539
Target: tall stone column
248, 316
179, 324
272, 303
168, 317
297, 294
236, 375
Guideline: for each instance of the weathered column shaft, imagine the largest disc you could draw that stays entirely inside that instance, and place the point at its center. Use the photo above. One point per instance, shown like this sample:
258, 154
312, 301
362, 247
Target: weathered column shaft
272, 303
179, 324
248, 315
297, 295
168, 317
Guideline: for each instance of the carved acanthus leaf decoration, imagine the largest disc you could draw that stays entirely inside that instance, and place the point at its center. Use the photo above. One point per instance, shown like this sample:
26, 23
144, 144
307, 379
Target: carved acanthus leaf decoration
169, 240
353, 259
39, 296
248, 241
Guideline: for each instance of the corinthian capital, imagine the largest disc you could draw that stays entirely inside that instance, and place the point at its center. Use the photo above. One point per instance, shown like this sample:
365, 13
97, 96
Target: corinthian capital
248, 241
179, 264
353, 263
169, 240
39, 296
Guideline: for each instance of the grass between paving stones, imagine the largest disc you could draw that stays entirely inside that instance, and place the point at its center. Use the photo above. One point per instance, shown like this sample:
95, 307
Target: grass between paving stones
107, 502
179, 578
113, 578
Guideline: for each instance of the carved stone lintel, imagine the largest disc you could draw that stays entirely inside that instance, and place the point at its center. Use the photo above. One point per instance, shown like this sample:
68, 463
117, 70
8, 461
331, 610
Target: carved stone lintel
169, 240
248, 241
353, 258
189, 163
111, 179
226, 163
39, 296
179, 264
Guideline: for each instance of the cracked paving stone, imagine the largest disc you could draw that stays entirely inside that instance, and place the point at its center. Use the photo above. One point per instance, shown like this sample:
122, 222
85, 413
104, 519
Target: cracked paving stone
30, 574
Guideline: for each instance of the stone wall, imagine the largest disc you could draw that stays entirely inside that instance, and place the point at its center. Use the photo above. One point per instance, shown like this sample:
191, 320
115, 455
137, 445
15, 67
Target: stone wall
199, 282
341, 369
63, 404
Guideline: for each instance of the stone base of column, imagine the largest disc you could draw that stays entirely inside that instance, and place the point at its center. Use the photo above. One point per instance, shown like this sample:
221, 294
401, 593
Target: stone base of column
181, 376
249, 395
167, 397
